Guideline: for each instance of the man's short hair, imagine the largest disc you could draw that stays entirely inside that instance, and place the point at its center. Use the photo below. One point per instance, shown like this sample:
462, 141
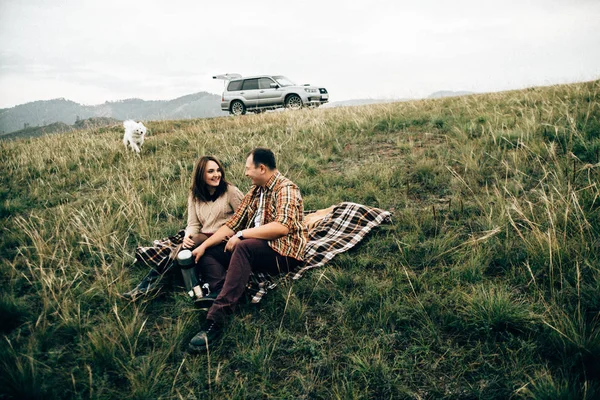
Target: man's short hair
264, 156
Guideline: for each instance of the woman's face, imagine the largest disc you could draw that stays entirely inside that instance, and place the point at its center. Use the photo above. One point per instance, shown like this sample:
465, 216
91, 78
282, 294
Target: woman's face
212, 174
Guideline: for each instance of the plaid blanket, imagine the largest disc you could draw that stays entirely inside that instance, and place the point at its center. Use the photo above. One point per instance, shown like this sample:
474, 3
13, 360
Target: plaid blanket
337, 232
161, 255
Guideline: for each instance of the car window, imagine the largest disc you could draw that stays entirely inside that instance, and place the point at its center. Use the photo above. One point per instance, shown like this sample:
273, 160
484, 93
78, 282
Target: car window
265, 83
250, 84
283, 81
234, 85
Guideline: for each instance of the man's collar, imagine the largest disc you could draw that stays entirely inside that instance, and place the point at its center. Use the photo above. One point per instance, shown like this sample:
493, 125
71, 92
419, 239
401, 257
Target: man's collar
271, 182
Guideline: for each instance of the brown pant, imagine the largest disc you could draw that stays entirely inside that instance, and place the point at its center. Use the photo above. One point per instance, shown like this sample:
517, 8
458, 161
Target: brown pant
229, 272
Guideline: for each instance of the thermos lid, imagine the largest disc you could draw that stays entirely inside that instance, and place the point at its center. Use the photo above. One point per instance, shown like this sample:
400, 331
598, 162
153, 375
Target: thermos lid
184, 258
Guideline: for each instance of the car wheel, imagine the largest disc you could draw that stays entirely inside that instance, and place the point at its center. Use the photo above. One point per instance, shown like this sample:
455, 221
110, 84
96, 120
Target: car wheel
238, 108
293, 102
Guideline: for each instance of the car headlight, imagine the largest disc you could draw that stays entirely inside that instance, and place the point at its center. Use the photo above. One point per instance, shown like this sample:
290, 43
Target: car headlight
308, 90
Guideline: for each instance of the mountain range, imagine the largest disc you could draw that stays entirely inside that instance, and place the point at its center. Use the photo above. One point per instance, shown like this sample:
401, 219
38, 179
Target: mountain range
46, 112
448, 93
61, 115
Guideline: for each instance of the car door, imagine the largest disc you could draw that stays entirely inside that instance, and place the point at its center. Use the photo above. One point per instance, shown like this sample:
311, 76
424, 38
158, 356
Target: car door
250, 92
267, 95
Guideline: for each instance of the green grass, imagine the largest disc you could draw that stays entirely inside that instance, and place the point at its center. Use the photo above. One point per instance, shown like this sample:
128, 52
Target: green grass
485, 285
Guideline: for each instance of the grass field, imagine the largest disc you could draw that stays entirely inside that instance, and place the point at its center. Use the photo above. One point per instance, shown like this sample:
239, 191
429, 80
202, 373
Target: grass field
486, 285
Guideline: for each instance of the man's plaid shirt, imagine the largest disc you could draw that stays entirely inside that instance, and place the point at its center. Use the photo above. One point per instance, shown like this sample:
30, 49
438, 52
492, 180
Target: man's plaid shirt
282, 203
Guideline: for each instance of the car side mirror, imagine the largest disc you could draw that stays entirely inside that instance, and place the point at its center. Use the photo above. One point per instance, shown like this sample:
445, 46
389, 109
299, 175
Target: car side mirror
274, 86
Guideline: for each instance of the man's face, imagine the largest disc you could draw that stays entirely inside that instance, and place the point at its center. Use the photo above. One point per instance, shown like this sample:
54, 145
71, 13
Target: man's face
256, 174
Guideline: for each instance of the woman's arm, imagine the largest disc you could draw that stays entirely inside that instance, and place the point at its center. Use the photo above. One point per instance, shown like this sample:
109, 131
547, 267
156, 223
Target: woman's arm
193, 223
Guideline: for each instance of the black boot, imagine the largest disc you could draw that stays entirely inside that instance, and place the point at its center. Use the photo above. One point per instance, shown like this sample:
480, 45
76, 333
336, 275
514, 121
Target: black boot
209, 333
152, 283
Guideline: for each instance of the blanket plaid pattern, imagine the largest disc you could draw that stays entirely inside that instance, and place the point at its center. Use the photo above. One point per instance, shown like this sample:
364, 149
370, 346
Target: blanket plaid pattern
161, 255
340, 230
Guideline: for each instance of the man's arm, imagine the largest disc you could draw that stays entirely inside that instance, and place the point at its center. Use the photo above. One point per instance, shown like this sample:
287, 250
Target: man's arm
219, 236
287, 199
270, 231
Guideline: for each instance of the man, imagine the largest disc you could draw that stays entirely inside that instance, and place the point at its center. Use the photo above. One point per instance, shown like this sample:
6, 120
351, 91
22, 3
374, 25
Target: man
266, 234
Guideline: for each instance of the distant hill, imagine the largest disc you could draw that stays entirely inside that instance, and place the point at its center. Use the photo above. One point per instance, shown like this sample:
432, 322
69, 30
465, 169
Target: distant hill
47, 112
60, 127
448, 93
360, 102
35, 131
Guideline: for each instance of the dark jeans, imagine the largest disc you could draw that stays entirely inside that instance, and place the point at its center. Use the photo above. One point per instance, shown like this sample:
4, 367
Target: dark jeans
229, 272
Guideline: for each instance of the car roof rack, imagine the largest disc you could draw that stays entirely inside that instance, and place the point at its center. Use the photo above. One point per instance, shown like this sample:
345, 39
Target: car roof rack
227, 76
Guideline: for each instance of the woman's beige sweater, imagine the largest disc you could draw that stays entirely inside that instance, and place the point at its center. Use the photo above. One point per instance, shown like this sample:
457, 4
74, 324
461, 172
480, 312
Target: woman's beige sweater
208, 216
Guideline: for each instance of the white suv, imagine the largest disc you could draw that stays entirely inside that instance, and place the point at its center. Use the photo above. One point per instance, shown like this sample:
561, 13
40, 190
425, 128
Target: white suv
268, 92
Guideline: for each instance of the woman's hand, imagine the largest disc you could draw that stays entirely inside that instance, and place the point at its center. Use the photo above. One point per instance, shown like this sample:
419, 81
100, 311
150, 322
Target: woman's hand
188, 243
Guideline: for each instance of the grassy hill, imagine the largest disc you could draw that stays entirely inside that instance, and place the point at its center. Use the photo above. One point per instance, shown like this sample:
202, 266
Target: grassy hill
485, 285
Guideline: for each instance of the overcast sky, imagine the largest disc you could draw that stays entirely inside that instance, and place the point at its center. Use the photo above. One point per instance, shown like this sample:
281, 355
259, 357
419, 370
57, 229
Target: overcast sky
96, 51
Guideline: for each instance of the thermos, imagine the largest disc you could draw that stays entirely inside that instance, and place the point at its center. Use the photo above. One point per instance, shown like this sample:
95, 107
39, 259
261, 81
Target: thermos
188, 271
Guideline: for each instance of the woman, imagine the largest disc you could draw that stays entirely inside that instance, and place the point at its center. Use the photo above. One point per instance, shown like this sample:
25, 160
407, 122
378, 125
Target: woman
211, 202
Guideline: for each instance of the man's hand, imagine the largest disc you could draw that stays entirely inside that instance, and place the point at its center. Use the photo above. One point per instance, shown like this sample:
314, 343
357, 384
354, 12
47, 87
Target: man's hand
231, 243
197, 253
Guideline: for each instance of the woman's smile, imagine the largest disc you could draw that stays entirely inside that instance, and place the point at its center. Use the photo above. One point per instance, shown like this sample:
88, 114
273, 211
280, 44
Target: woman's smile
212, 176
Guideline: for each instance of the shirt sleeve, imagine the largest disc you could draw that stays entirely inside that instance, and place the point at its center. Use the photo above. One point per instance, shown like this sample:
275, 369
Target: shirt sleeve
235, 197
193, 223
289, 206
240, 218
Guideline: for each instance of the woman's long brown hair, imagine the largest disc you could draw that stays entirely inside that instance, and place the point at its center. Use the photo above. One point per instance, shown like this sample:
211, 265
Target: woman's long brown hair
199, 187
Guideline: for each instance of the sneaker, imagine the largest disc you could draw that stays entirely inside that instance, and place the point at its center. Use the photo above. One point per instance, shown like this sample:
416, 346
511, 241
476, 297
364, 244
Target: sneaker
211, 330
150, 284
204, 303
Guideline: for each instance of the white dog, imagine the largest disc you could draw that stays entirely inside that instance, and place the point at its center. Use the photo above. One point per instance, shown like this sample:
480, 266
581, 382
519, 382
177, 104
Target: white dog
134, 135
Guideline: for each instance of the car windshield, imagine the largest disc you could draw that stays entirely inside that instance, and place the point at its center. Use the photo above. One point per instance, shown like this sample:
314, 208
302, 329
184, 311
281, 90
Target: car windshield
283, 81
